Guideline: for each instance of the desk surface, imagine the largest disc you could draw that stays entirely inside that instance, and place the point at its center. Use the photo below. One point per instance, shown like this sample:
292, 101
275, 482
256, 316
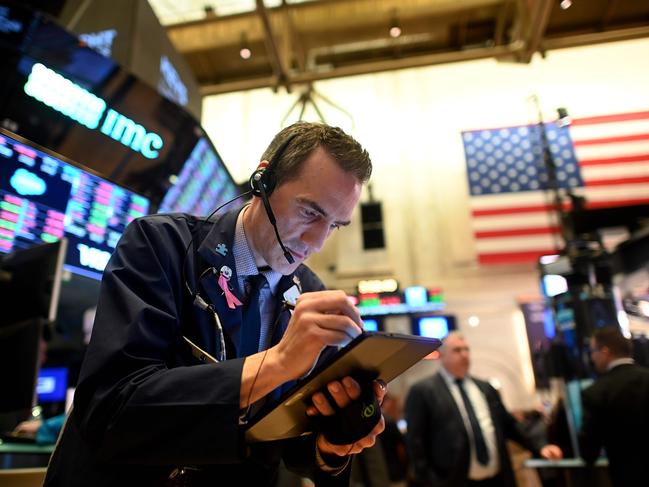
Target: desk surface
564, 463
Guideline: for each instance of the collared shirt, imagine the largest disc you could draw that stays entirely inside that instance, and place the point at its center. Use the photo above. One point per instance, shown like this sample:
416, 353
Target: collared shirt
477, 471
244, 262
620, 361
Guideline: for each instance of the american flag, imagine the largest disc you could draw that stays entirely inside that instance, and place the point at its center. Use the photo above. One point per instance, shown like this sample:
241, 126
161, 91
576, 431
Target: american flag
604, 158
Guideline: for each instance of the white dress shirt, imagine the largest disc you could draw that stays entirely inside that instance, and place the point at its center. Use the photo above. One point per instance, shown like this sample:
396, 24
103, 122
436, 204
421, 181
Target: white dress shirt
620, 361
246, 267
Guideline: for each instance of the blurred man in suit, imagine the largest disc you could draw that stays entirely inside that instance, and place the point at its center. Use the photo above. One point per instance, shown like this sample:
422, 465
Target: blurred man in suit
457, 426
616, 410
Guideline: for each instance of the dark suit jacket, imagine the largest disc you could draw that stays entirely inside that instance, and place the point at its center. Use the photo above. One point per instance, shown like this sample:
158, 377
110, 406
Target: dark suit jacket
438, 442
616, 417
146, 404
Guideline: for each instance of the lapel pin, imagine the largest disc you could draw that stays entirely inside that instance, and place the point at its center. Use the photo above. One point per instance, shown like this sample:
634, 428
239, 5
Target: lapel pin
290, 297
221, 249
296, 281
224, 283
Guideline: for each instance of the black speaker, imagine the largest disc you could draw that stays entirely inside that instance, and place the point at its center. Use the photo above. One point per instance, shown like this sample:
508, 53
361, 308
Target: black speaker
372, 223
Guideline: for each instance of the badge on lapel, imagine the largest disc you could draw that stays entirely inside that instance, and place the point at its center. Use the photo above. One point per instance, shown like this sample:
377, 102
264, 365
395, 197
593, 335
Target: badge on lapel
290, 297
224, 283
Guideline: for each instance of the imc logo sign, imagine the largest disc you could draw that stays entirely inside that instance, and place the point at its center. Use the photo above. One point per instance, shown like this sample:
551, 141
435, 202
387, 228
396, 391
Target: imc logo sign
71, 100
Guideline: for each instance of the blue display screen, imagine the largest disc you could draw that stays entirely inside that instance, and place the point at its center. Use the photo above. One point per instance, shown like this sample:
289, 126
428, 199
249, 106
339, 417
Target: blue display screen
416, 295
202, 185
370, 325
433, 327
43, 198
52, 384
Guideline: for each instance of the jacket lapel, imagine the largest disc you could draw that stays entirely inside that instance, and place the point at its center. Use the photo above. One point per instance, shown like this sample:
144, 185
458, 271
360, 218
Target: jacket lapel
216, 251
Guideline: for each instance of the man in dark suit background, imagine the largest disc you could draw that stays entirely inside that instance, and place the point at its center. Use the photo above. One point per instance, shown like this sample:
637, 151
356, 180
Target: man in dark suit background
457, 426
616, 410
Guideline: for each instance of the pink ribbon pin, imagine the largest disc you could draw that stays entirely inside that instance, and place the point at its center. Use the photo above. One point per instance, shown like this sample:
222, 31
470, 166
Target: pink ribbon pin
232, 300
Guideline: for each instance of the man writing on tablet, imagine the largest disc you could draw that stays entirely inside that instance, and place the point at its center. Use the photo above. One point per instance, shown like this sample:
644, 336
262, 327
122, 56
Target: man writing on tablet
193, 332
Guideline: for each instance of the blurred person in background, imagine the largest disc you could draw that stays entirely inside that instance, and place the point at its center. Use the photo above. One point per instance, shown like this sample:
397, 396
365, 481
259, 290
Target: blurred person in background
394, 442
616, 410
457, 426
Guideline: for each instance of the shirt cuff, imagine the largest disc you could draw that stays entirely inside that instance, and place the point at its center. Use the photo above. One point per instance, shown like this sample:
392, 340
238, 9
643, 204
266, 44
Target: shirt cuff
332, 464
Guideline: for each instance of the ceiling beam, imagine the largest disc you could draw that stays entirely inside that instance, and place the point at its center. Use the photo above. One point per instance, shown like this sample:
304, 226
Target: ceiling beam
293, 48
321, 16
428, 60
276, 60
608, 14
595, 38
539, 16
501, 23
364, 68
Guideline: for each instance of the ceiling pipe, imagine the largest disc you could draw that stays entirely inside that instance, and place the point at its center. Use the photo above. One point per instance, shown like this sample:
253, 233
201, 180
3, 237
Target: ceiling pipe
279, 69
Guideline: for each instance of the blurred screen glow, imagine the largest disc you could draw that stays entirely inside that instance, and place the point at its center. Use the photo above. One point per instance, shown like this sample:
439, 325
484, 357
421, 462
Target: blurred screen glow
553, 284
416, 295
370, 325
433, 327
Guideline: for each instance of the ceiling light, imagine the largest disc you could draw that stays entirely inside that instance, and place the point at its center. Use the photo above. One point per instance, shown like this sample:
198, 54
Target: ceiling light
395, 26
565, 4
474, 321
245, 51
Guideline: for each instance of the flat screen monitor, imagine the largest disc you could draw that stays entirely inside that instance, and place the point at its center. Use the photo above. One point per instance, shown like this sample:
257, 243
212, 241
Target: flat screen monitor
52, 384
371, 324
30, 282
44, 197
433, 326
19, 361
203, 184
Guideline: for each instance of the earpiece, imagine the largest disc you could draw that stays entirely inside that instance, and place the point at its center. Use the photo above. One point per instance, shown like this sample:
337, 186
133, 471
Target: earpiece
264, 175
260, 178
262, 184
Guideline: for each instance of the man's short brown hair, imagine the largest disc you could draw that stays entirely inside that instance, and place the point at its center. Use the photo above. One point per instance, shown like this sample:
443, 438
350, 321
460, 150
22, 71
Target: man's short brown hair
612, 338
307, 137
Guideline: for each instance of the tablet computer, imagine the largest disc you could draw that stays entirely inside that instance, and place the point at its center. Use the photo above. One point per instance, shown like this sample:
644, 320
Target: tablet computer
372, 355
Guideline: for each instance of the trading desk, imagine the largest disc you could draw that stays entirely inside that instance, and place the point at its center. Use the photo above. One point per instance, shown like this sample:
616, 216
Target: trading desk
22, 455
575, 472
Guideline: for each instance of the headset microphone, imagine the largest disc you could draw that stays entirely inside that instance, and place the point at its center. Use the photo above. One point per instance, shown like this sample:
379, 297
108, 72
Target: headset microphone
271, 216
263, 183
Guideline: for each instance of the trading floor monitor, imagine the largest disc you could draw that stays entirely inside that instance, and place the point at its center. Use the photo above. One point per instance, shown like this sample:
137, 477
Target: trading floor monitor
30, 282
29, 285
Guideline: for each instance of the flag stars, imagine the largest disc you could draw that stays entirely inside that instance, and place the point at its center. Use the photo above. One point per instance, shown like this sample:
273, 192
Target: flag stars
508, 160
